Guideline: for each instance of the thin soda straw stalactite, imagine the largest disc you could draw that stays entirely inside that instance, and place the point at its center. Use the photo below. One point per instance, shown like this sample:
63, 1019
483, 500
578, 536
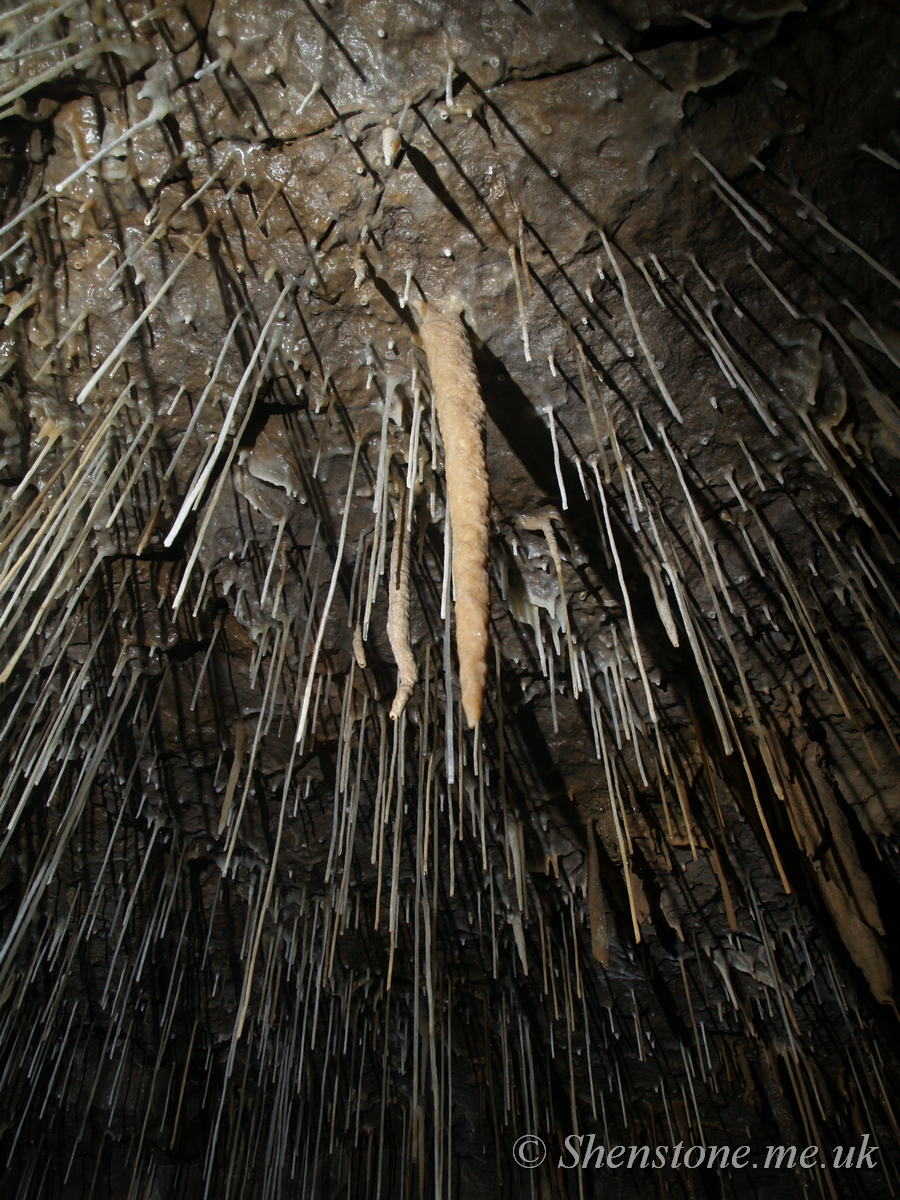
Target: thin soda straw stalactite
638, 333
338, 563
336, 1038
199, 485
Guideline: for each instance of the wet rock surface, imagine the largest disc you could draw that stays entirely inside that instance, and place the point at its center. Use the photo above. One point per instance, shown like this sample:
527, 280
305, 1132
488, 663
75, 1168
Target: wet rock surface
257, 937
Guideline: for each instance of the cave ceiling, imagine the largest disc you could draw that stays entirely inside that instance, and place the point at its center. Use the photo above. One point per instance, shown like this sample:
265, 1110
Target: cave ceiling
275, 920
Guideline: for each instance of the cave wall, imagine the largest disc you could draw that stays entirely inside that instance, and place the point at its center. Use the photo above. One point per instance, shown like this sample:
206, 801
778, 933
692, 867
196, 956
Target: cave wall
259, 936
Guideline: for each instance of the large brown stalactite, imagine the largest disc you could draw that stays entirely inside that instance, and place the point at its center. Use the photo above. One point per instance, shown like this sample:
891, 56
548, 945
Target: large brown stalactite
259, 939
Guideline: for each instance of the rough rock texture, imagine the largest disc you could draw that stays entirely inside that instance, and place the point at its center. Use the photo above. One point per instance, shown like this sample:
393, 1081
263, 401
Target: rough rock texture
256, 939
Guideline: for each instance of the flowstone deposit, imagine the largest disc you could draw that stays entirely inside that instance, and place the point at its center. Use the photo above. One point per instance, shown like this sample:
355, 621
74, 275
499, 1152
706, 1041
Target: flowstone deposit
275, 919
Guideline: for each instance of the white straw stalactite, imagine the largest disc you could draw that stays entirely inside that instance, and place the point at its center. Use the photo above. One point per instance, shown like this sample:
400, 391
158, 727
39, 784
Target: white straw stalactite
289, 906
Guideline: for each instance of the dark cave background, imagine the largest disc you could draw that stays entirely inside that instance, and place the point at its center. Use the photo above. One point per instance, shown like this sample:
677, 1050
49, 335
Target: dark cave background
654, 897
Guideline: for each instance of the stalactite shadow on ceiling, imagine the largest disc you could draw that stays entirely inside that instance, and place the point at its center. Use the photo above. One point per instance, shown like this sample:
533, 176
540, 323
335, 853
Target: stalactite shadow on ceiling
266, 931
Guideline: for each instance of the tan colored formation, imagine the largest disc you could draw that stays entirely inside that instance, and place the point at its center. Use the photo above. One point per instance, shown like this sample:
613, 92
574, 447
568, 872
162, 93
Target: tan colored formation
460, 413
596, 906
398, 616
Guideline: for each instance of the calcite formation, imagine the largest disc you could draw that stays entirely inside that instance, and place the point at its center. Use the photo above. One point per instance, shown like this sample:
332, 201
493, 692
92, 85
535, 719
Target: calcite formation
460, 414
389, 778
